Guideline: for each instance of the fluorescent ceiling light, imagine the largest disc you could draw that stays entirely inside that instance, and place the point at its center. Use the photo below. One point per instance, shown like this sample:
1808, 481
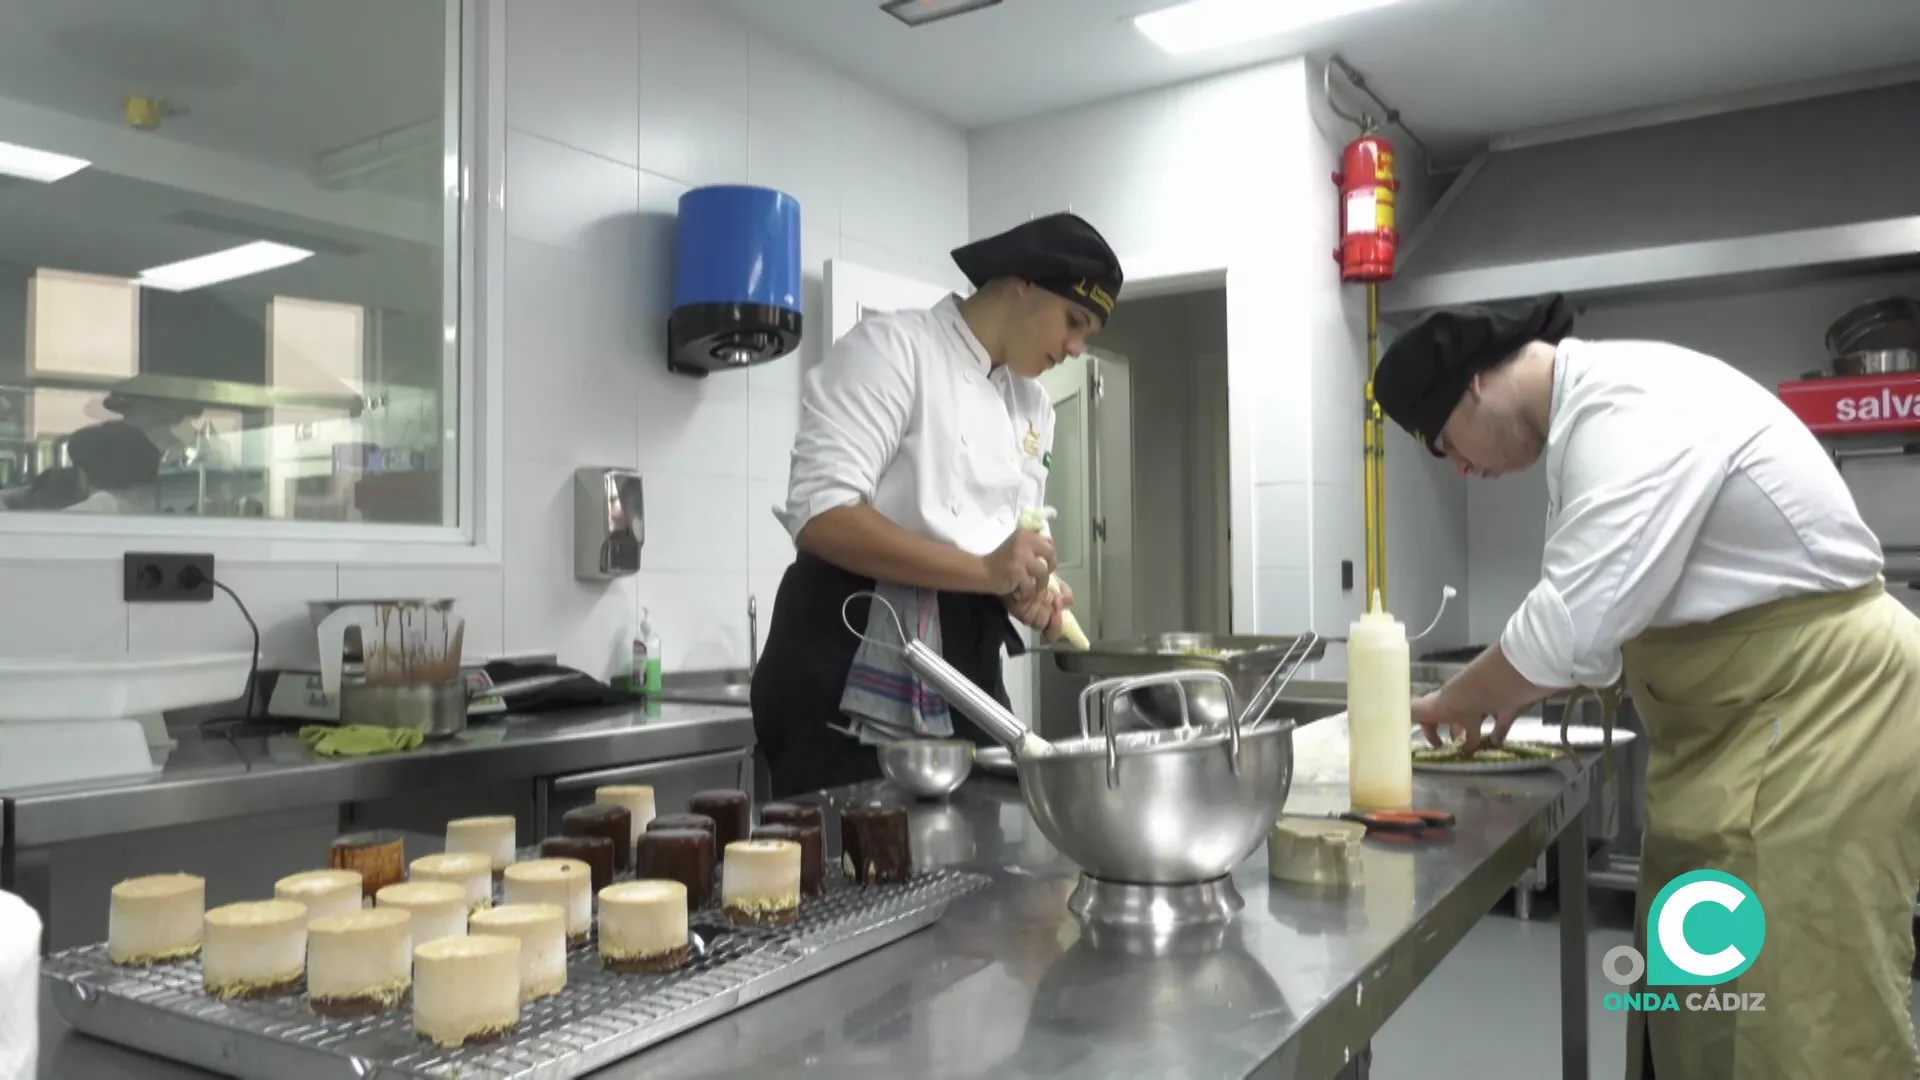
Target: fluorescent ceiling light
255, 258
1199, 25
42, 165
922, 12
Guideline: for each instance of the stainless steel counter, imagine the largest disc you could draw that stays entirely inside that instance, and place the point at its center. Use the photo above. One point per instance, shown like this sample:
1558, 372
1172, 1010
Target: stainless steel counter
1008, 985
211, 779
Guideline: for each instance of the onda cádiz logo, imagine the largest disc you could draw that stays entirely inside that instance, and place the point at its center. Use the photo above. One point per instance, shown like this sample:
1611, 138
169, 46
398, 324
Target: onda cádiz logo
1704, 929
1885, 405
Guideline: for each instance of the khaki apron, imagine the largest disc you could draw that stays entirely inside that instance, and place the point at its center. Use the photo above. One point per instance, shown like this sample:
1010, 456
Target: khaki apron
1785, 750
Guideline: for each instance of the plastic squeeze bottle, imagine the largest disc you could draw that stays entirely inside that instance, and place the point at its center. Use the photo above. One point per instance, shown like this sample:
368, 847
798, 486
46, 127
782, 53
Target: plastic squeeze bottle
1035, 519
1379, 712
652, 641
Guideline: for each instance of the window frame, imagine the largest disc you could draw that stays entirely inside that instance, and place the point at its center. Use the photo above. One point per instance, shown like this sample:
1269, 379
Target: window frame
474, 219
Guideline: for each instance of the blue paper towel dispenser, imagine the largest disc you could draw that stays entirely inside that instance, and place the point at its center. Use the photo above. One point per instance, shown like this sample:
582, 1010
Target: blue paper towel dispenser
736, 279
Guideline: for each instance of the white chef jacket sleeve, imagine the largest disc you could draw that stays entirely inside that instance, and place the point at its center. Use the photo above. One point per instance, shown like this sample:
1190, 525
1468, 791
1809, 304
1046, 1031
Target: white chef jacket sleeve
854, 410
1636, 491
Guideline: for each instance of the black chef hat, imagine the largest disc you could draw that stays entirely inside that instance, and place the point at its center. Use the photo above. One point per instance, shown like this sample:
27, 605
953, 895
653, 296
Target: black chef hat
114, 455
1426, 370
1061, 253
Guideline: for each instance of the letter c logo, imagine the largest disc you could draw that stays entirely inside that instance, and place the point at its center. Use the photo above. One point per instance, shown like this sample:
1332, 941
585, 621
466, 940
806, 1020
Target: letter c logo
1728, 929
1673, 933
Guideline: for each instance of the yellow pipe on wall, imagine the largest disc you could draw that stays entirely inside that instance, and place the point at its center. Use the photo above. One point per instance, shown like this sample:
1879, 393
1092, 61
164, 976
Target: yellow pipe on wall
1374, 450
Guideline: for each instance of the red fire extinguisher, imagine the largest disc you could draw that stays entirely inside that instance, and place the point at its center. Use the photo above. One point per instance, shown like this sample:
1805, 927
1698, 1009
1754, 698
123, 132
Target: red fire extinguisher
1367, 237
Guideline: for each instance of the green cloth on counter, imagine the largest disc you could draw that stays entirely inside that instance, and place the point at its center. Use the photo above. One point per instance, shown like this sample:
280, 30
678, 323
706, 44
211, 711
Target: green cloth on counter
358, 740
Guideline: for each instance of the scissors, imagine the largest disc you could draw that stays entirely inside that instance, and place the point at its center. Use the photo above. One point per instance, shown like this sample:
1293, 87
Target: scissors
1398, 824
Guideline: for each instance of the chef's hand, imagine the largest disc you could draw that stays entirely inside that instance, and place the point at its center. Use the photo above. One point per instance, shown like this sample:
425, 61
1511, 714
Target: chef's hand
1428, 713
1033, 608
1021, 565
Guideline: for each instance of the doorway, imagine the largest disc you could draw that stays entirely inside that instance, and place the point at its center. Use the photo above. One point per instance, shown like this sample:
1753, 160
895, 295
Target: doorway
1140, 483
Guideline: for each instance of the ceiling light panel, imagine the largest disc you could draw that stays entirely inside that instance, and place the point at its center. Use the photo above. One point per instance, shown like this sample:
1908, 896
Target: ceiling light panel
922, 12
243, 261
42, 165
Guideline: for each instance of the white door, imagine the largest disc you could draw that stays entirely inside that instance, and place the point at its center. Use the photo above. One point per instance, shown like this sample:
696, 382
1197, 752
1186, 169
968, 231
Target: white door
854, 291
1090, 486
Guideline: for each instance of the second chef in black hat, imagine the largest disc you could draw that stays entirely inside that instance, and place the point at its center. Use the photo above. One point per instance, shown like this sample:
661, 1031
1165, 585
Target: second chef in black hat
923, 437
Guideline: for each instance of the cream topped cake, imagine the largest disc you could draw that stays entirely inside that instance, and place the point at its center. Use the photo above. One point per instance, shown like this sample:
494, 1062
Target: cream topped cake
542, 930
439, 908
643, 926
254, 949
564, 883
155, 918
466, 989
494, 837
359, 962
637, 798
471, 870
760, 881
322, 892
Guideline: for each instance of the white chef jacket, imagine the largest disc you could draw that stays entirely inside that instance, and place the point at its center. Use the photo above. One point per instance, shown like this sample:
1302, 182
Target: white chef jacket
909, 415
1678, 490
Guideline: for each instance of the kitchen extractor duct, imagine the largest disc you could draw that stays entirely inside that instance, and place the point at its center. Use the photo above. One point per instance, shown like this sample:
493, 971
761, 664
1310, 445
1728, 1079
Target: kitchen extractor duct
1796, 191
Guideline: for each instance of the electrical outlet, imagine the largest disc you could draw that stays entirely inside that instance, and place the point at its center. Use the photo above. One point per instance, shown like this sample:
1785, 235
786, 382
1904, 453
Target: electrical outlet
162, 577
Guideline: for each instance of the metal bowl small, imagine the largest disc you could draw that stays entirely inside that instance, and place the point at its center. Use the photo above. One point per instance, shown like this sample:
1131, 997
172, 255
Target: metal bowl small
927, 768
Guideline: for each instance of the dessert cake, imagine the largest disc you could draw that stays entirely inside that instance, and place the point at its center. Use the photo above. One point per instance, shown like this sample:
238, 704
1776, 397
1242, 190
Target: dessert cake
643, 926
602, 819
470, 870
565, 883
682, 855
155, 918
683, 821
542, 930
874, 845
730, 810
813, 856
493, 837
254, 949
595, 851
359, 963
379, 855
760, 882
438, 908
637, 798
466, 989
791, 813
322, 892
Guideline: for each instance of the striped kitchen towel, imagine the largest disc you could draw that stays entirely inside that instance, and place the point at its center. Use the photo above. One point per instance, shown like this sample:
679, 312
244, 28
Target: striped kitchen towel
884, 700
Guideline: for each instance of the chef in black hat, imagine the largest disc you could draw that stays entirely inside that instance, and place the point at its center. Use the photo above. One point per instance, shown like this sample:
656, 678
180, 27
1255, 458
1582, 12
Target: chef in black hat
923, 437
1703, 551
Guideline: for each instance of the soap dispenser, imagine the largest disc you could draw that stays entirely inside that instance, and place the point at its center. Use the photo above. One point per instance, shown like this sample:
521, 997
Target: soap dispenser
609, 523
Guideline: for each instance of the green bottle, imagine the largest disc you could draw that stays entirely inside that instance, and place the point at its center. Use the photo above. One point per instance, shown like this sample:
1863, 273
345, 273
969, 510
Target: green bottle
651, 642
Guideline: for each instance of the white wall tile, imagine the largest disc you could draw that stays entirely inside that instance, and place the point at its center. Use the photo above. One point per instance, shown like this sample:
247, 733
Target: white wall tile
570, 379
800, 164
275, 594
895, 261
701, 617
772, 422
695, 523
1282, 520
691, 138
769, 548
1339, 533
1285, 601
566, 197
60, 609
880, 161
794, 93
479, 593
574, 74
783, 376
694, 45
695, 426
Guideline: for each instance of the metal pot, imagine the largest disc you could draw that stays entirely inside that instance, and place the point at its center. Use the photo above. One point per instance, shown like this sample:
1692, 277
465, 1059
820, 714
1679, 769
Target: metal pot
1878, 362
1168, 807
436, 710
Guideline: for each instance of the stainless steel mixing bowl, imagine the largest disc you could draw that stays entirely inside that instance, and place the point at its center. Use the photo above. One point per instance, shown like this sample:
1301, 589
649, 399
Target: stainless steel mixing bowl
1166, 807
927, 768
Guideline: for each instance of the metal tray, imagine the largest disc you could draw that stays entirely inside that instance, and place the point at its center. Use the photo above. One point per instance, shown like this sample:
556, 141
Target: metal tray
599, 1018
1232, 654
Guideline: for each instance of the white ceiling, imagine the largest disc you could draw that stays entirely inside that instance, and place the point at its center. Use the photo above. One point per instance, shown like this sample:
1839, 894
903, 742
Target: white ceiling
1460, 70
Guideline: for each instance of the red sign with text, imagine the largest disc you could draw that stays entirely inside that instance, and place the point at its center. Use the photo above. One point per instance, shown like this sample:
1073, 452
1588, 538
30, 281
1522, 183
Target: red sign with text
1856, 405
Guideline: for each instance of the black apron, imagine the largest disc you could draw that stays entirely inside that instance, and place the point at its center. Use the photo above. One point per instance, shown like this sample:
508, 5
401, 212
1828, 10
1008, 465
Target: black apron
802, 673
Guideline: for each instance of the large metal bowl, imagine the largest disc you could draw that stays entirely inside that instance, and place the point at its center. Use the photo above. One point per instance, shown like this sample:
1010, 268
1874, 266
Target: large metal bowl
1171, 811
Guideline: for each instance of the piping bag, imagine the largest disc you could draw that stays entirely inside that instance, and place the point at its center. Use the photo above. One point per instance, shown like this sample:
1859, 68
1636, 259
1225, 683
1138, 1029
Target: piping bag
1036, 518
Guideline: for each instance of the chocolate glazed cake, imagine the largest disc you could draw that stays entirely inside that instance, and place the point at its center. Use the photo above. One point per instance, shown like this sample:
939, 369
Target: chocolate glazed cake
787, 813
604, 819
874, 844
731, 812
595, 851
683, 821
682, 855
813, 856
